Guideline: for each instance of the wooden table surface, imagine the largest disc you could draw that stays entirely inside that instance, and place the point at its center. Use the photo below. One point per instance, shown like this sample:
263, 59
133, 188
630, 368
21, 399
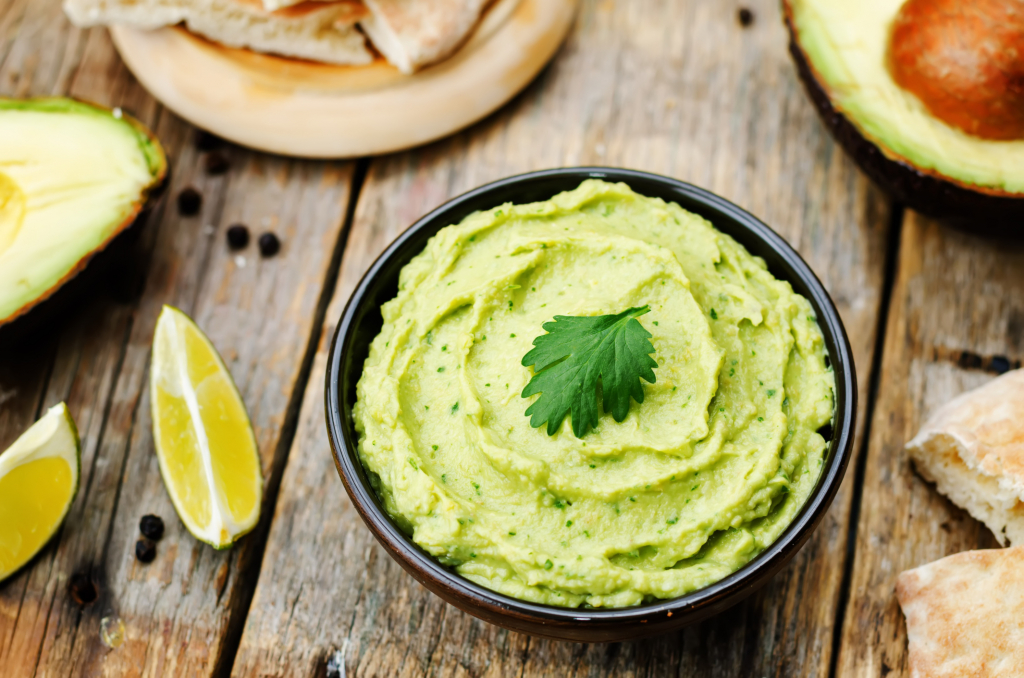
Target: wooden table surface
677, 87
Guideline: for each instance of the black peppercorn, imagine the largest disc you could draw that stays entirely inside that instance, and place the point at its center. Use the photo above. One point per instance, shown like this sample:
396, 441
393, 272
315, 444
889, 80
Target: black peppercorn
269, 244
969, 360
152, 527
189, 201
238, 236
745, 16
216, 163
1000, 364
82, 590
145, 550
206, 141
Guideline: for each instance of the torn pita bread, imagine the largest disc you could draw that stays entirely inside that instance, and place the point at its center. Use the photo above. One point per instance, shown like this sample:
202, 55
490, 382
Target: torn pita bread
972, 448
965, 615
320, 31
415, 33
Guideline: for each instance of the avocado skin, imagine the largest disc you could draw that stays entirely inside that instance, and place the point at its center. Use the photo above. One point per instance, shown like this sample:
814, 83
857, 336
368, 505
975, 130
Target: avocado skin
970, 210
111, 266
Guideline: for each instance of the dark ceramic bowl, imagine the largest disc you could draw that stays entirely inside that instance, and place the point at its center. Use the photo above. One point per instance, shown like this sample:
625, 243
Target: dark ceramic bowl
361, 322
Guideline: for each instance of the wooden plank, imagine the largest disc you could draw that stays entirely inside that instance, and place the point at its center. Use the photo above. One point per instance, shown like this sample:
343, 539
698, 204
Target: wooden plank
181, 613
82, 365
676, 87
956, 298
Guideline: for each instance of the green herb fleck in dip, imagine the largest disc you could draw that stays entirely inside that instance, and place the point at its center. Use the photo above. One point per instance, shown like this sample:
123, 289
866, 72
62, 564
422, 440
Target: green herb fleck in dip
704, 470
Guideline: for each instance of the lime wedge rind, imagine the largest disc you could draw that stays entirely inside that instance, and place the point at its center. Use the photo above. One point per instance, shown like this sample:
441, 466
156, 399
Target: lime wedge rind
170, 372
53, 436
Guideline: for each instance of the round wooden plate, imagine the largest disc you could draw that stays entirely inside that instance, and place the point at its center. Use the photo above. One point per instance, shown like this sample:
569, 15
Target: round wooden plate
319, 110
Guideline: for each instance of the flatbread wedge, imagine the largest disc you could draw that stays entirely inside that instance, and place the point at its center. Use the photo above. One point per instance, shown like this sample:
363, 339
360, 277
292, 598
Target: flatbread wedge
320, 31
972, 448
412, 34
965, 615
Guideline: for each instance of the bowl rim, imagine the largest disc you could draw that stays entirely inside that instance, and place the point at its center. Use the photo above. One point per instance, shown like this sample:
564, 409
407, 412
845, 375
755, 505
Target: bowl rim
425, 568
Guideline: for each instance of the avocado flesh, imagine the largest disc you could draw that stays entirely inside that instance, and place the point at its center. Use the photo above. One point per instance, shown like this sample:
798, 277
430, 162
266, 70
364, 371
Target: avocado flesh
846, 44
72, 176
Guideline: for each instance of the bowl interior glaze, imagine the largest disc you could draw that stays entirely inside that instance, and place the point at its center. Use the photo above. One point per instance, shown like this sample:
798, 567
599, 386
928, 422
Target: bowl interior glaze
361, 322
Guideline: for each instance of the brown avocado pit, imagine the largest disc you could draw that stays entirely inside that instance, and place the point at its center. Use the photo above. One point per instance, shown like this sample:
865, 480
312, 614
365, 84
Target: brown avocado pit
964, 61
842, 51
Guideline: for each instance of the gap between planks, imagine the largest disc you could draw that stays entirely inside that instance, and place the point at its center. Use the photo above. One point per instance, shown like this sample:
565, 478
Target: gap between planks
870, 400
250, 571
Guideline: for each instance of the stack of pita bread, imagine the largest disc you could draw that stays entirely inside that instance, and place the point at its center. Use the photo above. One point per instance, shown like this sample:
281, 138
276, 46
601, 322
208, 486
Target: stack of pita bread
409, 33
965, 613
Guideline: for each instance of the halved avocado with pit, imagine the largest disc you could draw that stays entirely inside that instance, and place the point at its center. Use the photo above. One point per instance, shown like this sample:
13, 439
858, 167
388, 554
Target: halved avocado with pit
72, 177
924, 152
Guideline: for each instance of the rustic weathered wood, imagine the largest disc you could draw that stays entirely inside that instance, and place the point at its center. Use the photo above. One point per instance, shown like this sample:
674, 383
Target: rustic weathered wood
956, 298
182, 612
675, 87
82, 366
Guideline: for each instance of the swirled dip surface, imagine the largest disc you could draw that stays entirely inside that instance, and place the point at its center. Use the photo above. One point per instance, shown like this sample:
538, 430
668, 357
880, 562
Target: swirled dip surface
694, 483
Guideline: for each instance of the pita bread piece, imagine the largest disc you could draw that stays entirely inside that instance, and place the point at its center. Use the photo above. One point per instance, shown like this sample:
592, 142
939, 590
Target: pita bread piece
965, 615
319, 31
414, 33
972, 448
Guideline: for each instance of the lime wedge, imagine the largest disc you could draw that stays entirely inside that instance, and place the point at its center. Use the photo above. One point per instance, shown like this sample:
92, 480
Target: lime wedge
204, 441
38, 482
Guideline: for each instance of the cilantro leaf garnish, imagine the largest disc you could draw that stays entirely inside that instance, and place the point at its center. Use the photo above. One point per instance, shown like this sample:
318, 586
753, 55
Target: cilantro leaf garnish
575, 355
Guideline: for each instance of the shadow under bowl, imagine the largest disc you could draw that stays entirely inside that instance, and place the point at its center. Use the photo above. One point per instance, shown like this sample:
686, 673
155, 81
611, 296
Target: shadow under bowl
361, 322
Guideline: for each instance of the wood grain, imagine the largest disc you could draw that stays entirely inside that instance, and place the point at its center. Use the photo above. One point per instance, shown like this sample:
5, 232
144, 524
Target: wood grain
69, 364
183, 611
955, 295
676, 87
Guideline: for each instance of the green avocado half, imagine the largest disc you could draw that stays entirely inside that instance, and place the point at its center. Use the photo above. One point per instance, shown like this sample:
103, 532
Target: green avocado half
841, 49
72, 177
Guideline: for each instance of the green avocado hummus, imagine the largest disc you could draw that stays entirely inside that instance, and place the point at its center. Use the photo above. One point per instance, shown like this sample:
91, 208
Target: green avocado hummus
696, 481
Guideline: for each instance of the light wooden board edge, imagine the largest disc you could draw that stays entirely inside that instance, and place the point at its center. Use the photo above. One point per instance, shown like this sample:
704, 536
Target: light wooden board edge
318, 111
